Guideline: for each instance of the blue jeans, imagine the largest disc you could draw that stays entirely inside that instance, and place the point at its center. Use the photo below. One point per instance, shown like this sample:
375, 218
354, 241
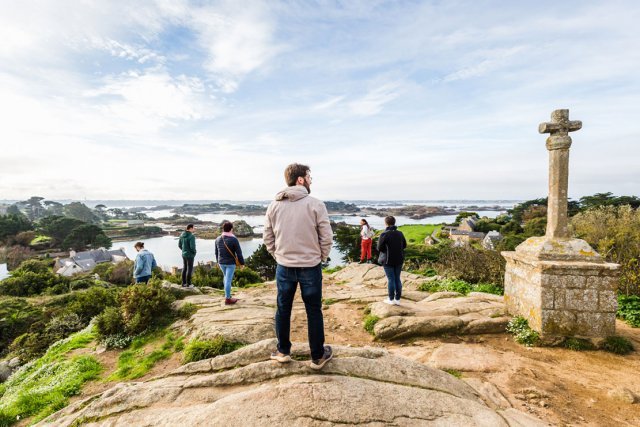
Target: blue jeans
393, 280
227, 271
310, 279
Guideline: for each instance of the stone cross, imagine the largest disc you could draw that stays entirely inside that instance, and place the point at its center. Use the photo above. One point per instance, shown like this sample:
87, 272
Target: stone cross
558, 144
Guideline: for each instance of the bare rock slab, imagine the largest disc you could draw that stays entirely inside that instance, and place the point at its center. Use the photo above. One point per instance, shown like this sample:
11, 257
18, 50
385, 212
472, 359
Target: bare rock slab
466, 357
366, 386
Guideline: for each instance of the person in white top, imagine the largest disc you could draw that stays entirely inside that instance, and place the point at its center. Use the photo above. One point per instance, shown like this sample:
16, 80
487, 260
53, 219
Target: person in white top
366, 233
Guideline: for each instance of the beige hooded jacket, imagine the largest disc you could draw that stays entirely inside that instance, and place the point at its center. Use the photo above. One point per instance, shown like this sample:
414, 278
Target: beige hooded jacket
296, 228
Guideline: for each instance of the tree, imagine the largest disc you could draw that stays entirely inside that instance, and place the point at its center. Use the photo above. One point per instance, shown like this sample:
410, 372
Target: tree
11, 225
463, 215
262, 262
536, 227
80, 211
54, 208
347, 238
85, 236
58, 228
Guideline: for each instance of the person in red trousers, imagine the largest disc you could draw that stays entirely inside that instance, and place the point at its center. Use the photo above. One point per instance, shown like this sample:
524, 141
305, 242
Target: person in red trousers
366, 233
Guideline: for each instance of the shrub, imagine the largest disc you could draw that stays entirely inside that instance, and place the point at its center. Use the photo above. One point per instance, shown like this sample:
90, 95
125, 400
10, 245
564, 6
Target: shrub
207, 276
16, 317
29, 283
16, 255
578, 344
523, 334
187, 310
369, 322
64, 325
472, 265
103, 270
109, 323
142, 305
207, 349
121, 273
24, 238
629, 309
446, 285
78, 284
617, 345
262, 262
88, 304
244, 277
118, 341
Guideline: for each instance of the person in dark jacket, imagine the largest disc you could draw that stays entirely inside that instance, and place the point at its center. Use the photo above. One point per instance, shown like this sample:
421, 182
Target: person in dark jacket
391, 246
187, 243
228, 254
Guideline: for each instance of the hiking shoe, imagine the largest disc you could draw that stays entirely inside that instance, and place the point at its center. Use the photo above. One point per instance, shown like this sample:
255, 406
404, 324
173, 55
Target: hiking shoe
396, 302
388, 301
317, 364
280, 357
230, 301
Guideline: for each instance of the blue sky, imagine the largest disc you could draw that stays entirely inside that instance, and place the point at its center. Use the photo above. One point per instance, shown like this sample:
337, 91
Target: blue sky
384, 100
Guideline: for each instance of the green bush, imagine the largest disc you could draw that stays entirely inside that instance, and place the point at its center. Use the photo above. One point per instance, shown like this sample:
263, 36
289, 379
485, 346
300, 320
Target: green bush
617, 345
471, 265
29, 283
109, 323
245, 276
523, 334
446, 285
629, 309
79, 284
369, 322
187, 310
143, 305
64, 325
578, 344
207, 276
118, 341
206, 349
262, 262
91, 302
16, 317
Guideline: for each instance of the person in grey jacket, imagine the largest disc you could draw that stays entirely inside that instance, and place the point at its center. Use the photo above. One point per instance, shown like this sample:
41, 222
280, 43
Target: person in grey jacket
144, 264
298, 234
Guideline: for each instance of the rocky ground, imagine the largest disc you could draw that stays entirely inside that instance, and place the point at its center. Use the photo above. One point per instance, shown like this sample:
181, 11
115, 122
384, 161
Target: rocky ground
404, 375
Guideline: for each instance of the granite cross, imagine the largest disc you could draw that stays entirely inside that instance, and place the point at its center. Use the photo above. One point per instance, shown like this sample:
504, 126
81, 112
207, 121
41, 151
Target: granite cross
558, 144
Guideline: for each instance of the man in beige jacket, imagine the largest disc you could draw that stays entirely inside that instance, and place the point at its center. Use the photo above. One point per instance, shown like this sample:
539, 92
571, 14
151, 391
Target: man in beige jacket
298, 234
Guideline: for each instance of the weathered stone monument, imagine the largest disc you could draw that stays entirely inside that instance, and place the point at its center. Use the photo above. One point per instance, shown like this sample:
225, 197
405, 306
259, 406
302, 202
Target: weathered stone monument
560, 284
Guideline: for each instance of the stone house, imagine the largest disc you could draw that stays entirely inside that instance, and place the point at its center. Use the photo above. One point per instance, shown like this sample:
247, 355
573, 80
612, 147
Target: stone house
491, 240
82, 262
468, 223
464, 237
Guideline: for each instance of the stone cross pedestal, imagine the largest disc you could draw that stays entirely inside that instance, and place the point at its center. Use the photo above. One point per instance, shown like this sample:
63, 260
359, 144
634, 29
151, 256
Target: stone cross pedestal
559, 284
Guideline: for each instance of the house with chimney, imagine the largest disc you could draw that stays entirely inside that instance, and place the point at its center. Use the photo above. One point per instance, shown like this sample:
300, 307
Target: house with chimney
83, 262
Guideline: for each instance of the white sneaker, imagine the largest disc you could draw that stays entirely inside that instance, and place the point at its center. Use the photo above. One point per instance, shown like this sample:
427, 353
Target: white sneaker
396, 302
388, 301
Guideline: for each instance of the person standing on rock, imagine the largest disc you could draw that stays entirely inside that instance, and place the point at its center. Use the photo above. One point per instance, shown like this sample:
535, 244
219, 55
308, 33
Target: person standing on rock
228, 256
366, 234
298, 234
144, 264
187, 243
391, 245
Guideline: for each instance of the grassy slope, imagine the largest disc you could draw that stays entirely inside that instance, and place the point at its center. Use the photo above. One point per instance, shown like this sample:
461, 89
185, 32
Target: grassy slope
416, 233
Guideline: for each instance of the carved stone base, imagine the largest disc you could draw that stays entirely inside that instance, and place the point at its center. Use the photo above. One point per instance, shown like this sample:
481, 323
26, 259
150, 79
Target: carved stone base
562, 287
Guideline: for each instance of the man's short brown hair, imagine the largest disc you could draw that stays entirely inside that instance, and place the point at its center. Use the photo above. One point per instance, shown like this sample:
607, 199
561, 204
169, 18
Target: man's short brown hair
293, 172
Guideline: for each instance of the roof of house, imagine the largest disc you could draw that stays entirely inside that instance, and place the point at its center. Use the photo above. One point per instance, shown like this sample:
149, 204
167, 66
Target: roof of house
476, 235
459, 232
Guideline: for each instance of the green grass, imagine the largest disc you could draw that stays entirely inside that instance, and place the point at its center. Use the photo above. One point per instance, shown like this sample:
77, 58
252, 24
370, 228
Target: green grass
332, 269
416, 233
369, 322
206, 349
578, 344
456, 285
44, 386
329, 301
454, 372
137, 360
617, 345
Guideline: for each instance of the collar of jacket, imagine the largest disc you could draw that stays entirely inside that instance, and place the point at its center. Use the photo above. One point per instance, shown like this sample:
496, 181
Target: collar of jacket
391, 227
293, 193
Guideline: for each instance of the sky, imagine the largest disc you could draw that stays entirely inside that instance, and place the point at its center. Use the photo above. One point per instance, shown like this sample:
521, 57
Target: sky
384, 100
